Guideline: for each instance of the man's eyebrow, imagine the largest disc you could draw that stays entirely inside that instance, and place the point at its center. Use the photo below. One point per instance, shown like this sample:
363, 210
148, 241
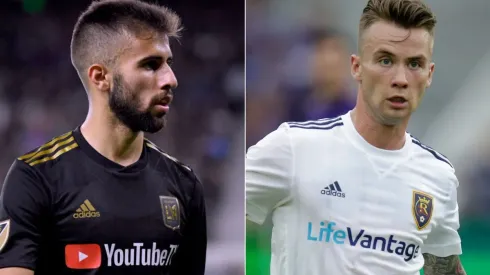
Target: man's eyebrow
418, 57
153, 58
383, 52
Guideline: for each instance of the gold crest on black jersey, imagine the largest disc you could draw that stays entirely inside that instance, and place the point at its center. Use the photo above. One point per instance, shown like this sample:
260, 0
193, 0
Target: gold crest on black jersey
171, 212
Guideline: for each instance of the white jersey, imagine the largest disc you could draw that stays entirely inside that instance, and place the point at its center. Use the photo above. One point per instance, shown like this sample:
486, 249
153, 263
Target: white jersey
342, 206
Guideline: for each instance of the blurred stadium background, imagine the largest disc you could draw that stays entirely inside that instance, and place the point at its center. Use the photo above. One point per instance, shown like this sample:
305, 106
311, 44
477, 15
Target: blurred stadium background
41, 97
297, 68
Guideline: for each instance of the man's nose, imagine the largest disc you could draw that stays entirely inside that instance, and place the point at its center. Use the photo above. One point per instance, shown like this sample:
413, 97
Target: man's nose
167, 80
400, 79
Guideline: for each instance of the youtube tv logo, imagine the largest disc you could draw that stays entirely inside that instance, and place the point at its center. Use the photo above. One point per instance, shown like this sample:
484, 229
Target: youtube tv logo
83, 256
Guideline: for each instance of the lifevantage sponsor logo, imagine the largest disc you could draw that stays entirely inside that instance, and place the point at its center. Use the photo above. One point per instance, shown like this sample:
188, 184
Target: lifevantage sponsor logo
327, 233
139, 256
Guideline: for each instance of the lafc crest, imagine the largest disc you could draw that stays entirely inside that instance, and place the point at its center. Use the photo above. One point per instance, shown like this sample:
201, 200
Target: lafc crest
422, 208
171, 212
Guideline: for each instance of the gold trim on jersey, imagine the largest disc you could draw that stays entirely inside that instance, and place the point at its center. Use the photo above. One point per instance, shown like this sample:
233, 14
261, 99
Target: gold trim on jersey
58, 153
155, 147
51, 150
49, 144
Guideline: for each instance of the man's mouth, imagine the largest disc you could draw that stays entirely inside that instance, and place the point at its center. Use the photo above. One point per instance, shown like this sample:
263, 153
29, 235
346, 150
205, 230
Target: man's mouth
163, 105
162, 109
397, 99
398, 102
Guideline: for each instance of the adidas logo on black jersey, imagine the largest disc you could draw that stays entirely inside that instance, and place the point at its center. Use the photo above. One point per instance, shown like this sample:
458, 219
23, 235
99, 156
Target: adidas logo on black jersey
86, 210
333, 190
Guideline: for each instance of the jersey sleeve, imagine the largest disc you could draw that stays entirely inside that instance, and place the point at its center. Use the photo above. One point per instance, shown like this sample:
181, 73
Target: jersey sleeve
191, 255
23, 203
444, 240
268, 174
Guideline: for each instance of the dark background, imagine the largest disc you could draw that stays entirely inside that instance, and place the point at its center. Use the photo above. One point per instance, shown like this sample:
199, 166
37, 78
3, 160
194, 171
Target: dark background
41, 97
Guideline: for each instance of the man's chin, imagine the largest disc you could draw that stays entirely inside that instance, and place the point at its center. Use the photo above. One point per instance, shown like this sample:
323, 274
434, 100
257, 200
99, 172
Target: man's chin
394, 118
156, 125
147, 126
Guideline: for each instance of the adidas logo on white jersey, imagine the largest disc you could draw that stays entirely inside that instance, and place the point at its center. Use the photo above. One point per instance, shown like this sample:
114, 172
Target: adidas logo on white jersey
333, 190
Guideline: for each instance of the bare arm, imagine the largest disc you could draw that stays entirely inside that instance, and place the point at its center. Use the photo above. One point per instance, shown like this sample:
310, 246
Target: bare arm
450, 265
16, 271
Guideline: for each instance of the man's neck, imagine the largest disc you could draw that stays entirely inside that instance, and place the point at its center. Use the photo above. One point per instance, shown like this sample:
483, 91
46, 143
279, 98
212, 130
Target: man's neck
377, 134
112, 139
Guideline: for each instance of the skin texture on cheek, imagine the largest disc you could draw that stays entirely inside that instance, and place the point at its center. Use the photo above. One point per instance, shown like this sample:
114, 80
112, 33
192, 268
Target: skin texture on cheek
139, 92
373, 87
126, 104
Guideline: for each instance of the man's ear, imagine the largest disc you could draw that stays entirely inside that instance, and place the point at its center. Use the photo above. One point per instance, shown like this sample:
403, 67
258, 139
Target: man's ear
432, 66
355, 67
99, 77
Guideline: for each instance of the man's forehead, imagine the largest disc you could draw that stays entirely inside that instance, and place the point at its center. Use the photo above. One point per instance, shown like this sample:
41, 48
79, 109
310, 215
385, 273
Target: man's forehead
398, 40
140, 47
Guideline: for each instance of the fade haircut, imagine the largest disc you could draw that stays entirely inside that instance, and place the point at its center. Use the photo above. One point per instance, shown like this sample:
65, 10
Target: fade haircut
408, 14
98, 36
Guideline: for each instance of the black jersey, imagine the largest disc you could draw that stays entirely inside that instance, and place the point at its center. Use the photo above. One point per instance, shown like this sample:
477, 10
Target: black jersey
66, 209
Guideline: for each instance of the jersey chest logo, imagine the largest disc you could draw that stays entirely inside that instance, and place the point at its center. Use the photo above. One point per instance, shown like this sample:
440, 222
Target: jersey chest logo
422, 208
171, 212
86, 211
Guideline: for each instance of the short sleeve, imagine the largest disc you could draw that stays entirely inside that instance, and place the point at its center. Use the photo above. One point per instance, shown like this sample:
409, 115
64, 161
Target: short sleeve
268, 174
23, 203
444, 240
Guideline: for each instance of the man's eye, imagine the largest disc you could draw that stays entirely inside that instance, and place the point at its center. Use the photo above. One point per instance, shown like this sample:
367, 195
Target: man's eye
152, 65
385, 61
414, 65
170, 62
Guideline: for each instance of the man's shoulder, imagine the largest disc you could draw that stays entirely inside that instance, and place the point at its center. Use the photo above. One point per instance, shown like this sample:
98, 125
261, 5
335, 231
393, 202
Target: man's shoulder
50, 152
433, 166
430, 157
41, 164
311, 126
307, 131
168, 161
306, 137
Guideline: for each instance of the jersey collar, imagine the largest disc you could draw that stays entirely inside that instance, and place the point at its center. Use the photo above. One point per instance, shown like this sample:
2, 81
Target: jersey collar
107, 163
362, 144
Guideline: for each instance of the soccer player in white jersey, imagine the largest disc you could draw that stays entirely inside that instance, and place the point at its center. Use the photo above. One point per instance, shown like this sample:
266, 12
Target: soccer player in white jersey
357, 194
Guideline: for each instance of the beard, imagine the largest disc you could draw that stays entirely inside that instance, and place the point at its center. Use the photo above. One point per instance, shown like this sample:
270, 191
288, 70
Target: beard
126, 106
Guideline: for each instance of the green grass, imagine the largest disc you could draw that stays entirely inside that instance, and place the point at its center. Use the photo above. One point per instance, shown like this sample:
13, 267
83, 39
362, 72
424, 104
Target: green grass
474, 263
474, 234
474, 259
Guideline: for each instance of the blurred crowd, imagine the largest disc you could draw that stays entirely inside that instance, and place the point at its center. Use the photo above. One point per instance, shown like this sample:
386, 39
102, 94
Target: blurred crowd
299, 77
41, 97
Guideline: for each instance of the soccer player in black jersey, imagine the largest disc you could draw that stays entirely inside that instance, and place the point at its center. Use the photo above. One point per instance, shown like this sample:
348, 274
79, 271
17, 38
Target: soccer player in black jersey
102, 199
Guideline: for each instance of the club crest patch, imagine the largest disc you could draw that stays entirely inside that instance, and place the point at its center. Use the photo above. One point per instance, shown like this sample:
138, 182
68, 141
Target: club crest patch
171, 212
4, 233
422, 208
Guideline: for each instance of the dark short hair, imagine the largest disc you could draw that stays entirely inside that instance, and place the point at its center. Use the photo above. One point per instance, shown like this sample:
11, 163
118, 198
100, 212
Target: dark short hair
405, 13
96, 33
